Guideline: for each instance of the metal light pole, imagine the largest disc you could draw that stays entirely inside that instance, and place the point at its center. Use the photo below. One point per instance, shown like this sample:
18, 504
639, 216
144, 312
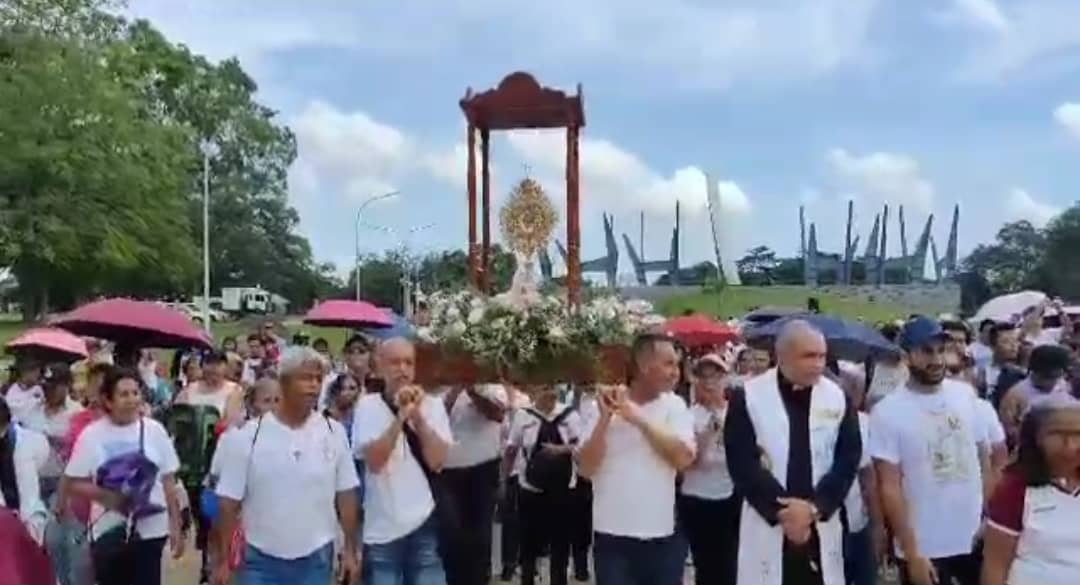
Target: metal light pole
359, 217
209, 150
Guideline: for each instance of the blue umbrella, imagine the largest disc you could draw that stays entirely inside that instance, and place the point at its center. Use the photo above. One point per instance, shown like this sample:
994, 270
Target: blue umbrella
400, 328
847, 340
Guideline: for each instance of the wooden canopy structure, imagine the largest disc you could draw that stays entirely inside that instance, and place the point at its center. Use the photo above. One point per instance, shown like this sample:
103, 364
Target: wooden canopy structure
520, 101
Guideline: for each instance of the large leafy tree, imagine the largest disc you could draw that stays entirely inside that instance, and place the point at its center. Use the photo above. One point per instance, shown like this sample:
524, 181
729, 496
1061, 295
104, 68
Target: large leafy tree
112, 114
94, 191
1013, 261
1060, 269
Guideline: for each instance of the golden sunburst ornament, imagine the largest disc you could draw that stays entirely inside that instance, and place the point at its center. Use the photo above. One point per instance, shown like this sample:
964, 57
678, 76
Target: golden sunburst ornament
528, 219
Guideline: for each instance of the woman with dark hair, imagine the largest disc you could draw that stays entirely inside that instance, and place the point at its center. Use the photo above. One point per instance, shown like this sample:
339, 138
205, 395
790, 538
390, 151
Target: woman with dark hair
125, 464
228, 345
1032, 536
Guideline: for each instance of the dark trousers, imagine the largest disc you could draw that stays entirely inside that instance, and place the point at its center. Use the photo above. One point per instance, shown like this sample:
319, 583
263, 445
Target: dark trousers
860, 566
712, 527
622, 560
509, 514
544, 526
581, 532
140, 564
958, 570
466, 542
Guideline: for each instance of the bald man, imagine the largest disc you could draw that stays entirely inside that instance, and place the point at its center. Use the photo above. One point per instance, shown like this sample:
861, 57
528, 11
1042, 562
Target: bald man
403, 435
793, 450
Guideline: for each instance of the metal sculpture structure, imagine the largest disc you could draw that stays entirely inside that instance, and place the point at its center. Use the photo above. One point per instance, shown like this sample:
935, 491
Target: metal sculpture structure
608, 264
876, 264
643, 267
520, 102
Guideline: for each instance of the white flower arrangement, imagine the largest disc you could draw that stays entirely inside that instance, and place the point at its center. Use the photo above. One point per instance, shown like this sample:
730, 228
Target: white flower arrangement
507, 334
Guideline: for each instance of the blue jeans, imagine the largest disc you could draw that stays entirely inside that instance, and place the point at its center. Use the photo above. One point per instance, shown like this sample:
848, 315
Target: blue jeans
262, 569
859, 565
412, 559
69, 551
621, 560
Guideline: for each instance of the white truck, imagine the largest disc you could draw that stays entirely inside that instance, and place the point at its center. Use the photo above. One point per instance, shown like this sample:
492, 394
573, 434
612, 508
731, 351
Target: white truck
245, 300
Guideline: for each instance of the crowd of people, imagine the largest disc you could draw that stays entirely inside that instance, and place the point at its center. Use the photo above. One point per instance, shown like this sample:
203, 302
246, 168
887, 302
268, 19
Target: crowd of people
956, 459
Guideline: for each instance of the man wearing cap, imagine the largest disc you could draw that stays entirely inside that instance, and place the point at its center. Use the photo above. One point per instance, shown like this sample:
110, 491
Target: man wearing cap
793, 450
927, 447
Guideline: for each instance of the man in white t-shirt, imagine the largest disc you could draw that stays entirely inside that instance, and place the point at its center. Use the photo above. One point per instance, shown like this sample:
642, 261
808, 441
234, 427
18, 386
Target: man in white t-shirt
292, 472
632, 451
403, 435
927, 444
471, 479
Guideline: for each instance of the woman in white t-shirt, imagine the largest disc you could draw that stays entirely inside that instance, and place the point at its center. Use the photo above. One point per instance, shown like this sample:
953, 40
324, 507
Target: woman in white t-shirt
708, 508
123, 435
57, 411
215, 390
1032, 537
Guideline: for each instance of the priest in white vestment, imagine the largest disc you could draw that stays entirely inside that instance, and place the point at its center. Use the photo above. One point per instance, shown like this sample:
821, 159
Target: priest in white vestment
793, 450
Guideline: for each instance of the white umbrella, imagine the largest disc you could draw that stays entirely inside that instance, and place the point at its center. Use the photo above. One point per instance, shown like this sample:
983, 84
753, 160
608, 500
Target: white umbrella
1009, 307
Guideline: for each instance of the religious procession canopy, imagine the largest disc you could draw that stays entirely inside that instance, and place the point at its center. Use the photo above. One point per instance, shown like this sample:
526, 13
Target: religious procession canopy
523, 335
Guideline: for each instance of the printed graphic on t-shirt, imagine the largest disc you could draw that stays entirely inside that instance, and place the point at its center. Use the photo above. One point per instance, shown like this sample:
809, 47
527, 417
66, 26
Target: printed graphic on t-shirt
948, 448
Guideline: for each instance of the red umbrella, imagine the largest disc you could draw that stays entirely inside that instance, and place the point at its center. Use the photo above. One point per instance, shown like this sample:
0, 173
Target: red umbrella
343, 313
699, 330
49, 340
134, 323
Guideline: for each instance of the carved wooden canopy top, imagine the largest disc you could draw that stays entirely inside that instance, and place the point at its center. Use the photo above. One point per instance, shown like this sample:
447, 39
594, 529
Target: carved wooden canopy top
520, 102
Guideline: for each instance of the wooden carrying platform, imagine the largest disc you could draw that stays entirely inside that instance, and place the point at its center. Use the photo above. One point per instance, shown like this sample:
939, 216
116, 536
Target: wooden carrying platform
437, 366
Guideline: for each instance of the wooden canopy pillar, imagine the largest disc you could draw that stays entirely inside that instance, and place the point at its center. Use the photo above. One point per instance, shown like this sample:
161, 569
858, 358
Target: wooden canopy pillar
520, 102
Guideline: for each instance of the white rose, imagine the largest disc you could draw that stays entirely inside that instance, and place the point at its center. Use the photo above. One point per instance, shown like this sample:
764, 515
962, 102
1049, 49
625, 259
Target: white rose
476, 315
453, 313
457, 328
556, 332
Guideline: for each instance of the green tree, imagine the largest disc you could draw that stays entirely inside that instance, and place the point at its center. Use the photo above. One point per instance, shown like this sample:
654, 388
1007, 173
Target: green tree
757, 266
94, 192
1060, 270
1013, 262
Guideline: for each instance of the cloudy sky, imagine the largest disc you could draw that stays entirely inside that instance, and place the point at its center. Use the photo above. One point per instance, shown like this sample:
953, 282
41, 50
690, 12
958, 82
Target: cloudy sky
925, 103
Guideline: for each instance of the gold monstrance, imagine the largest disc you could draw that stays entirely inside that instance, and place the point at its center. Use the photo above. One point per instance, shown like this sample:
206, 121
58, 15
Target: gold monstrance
527, 221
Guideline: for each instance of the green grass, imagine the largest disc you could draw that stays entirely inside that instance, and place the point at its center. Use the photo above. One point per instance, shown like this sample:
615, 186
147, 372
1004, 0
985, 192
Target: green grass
736, 301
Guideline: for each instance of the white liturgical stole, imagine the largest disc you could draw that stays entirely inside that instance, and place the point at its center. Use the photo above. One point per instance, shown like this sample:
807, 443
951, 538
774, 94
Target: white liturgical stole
761, 546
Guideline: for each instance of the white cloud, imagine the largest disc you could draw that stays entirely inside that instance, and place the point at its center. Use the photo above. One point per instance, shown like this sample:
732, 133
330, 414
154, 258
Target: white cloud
882, 177
1025, 33
350, 150
694, 42
1068, 115
1019, 204
618, 179
985, 14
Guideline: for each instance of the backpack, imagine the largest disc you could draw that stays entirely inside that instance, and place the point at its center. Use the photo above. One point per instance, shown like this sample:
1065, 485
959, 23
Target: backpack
192, 430
544, 472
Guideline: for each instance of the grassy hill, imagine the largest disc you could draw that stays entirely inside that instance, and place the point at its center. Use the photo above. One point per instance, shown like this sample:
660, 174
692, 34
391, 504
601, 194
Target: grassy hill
735, 301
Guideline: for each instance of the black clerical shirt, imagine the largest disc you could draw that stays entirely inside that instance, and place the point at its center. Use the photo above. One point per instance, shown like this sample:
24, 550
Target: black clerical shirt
758, 486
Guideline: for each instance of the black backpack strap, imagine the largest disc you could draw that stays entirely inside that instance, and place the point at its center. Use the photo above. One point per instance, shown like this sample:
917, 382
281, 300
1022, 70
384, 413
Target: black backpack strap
411, 439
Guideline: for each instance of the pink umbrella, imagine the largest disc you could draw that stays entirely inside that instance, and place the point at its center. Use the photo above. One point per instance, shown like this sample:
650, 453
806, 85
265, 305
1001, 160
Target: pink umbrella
49, 340
699, 330
134, 323
343, 313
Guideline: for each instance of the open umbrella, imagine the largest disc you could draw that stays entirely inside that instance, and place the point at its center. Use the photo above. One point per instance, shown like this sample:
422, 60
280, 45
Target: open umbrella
1008, 308
345, 313
699, 331
400, 327
134, 323
847, 340
49, 342
770, 313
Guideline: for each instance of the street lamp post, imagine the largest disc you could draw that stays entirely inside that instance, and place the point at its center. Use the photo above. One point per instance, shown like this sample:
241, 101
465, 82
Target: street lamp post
359, 217
209, 150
